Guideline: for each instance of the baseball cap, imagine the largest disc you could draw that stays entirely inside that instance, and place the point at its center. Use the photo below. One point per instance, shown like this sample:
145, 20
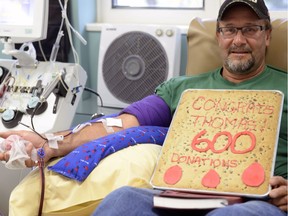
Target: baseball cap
258, 6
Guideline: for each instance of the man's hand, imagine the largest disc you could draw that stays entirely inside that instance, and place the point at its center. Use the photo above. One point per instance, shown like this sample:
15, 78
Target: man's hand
26, 135
30, 136
279, 192
4, 156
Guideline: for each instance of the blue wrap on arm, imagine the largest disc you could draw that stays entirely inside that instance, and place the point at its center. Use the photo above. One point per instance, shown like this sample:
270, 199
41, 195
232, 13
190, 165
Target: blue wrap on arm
79, 163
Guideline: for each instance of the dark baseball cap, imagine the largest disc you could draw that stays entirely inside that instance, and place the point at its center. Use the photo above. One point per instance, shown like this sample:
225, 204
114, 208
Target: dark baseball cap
258, 6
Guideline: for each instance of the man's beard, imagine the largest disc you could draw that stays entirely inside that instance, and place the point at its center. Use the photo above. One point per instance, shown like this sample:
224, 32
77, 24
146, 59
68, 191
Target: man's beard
239, 66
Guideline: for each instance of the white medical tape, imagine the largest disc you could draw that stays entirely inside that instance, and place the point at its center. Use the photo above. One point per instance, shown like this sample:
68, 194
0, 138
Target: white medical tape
108, 129
114, 122
109, 123
80, 127
53, 140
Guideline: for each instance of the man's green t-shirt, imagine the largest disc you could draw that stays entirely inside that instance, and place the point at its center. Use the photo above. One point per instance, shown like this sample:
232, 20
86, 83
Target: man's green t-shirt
269, 79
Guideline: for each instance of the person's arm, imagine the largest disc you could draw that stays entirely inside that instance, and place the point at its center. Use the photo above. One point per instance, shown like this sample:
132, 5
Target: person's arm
88, 133
150, 111
278, 194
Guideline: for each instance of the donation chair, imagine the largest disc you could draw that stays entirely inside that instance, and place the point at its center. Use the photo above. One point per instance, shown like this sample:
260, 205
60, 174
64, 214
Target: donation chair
133, 165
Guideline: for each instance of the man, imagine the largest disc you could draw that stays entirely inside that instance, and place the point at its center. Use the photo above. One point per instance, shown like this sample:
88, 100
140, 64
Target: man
243, 35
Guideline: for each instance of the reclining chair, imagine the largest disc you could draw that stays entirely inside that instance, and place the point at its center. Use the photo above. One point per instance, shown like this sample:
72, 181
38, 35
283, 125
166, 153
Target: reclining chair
134, 165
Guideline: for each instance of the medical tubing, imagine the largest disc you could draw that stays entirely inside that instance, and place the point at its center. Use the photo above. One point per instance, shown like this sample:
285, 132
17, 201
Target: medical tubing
56, 46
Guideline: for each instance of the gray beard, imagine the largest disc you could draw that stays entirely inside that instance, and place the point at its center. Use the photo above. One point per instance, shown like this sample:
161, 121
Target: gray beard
241, 67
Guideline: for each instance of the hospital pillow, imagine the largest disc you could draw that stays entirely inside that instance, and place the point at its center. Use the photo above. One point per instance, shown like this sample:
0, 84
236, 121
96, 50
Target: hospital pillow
131, 166
79, 163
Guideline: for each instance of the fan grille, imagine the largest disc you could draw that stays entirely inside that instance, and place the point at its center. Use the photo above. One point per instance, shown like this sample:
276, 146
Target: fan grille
134, 65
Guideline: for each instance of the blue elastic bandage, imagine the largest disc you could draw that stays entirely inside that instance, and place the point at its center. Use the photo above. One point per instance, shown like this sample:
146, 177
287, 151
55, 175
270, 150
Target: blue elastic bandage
79, 163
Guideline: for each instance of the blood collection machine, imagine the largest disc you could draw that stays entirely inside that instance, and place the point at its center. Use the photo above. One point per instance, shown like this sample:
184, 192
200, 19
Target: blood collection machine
25, 83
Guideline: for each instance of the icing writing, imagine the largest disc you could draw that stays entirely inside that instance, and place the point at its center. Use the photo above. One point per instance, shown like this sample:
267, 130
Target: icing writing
202, 161
224, 122
231, 142
218, 106
200, 144
209, 104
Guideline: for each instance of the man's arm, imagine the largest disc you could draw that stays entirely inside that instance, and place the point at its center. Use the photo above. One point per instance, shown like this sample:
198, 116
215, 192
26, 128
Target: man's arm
70, 142
96, 130
151, 110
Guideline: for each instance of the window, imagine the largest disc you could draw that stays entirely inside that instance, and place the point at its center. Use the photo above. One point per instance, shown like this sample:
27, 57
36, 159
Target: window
171, 4
279, 5
146, 12
186, 4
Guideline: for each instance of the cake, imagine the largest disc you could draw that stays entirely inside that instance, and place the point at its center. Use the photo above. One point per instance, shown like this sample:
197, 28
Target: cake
218, 142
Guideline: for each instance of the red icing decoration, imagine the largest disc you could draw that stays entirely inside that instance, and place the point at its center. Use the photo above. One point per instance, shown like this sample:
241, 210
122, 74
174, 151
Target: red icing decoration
229, 141
211, 179
253, 142
173, 175
196, 141
254, 175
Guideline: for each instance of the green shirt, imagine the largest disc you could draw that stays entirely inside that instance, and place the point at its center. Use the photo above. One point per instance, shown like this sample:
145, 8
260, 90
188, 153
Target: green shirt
269, 79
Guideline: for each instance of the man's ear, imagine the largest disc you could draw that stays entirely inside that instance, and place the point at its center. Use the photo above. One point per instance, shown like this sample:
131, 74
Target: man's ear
218, 37
268, 37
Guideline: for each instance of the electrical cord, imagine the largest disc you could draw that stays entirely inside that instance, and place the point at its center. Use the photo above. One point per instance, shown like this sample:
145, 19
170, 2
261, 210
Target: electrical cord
94, 92
32, 116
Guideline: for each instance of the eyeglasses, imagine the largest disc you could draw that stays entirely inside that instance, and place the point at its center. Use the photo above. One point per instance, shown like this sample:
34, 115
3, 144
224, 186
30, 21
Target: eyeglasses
247, 31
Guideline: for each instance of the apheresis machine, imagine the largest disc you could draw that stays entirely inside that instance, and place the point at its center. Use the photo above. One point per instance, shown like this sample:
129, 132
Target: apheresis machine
42, 95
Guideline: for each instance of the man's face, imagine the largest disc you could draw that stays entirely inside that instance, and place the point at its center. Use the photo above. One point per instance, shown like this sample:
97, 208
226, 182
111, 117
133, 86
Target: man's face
242, 52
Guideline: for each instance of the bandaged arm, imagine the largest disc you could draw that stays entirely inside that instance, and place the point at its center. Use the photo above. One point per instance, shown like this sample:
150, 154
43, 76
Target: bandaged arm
150, 111
129, 119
